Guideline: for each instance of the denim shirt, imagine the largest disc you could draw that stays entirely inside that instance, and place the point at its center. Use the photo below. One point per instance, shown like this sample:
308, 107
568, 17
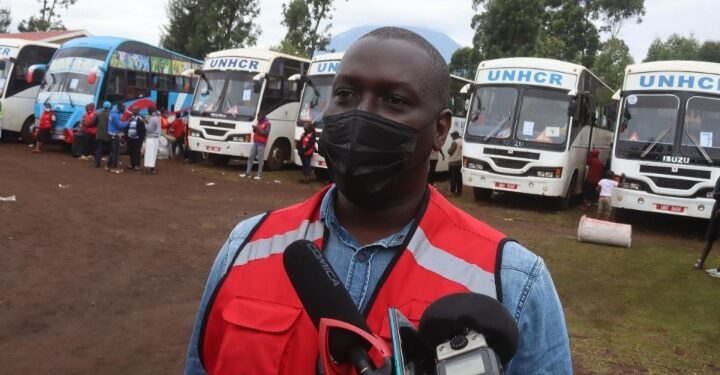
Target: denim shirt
528, 291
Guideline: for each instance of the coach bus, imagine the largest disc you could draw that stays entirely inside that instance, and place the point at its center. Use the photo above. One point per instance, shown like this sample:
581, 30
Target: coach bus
118, 70
666, 143
237, 86
531, 125
317, 92
17, 96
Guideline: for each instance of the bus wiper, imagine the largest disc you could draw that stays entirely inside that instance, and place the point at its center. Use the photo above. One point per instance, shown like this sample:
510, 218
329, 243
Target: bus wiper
497, 128
660, 137
700, 148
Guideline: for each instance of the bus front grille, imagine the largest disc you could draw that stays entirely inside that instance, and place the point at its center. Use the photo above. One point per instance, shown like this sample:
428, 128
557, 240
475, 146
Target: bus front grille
510, 163
62, 118
215, 132
217, 124
672, 183
684, 172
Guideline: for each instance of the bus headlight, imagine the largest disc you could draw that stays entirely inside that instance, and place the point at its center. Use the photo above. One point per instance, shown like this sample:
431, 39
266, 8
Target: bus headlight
631, 185
709, 194
549, 172
237, 138
195, 133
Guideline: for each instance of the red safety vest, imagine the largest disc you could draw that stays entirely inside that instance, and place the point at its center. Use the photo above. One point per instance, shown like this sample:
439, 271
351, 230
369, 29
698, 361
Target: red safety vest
88, 122
262, 125
46, 120
255, 323
305, 141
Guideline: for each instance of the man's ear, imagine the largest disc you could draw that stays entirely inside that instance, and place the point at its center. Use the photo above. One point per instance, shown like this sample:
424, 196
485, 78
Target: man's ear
442, 128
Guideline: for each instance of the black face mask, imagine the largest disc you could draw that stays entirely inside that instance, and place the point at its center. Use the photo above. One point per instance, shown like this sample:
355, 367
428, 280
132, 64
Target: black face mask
364, 153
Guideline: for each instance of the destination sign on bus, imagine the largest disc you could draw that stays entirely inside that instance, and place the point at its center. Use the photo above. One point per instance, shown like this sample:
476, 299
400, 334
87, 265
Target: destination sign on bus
235, 63
673, 81
537, 77
7, 51
324, 67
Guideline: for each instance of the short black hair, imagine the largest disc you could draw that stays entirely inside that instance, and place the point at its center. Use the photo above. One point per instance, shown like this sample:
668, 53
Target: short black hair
439, 75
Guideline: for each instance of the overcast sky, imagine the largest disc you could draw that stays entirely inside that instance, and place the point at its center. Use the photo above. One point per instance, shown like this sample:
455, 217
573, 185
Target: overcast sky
143, 19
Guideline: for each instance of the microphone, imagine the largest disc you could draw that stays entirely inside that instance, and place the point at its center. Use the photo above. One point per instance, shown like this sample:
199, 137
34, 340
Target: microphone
471, 333
331, 309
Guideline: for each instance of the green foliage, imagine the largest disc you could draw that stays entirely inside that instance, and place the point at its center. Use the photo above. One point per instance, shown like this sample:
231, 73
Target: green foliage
611, 61
676, 47
302, 19
568, 34
615, 12
5, 20
210, 25
464, 62
507, 27
709, 51
48, 19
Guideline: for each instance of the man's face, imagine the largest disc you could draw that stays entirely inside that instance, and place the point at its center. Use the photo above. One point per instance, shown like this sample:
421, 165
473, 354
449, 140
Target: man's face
389, 78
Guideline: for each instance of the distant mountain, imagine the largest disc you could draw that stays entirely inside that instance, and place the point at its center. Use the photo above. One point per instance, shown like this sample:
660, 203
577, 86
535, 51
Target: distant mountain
342, 41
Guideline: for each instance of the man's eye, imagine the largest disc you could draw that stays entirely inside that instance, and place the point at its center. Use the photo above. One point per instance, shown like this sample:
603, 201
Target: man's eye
344, 94
394, 100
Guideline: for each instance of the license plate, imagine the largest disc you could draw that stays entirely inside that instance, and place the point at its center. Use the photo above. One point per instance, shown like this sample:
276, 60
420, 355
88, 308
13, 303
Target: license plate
669, 208
213, 148
505, 185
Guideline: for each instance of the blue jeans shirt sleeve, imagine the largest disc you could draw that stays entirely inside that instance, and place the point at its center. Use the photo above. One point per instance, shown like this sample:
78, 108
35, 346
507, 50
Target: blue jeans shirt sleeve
530, 296
221, 264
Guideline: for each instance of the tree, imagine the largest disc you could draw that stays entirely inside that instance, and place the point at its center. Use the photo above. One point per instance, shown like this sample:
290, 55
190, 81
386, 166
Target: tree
675, 48
568, 34
710, 51
303, 18
611, 61
197, 27
464, 62
5, 20
614, 13
48, 18
507, 27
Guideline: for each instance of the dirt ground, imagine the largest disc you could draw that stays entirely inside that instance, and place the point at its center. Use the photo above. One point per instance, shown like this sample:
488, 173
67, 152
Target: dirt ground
102, 273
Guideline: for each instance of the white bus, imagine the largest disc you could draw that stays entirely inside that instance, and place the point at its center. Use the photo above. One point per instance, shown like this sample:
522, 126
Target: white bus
531, 124
317, 92
668, 138
237, 86
17, 95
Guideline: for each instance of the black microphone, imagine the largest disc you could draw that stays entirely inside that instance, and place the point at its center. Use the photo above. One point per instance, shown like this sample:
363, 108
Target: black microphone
470, 331
323, 295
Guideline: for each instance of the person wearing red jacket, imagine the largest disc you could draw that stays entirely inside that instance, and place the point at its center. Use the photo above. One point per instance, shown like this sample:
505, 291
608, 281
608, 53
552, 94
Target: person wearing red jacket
596, 168
305, 149
89, 128
177, 129
45, 126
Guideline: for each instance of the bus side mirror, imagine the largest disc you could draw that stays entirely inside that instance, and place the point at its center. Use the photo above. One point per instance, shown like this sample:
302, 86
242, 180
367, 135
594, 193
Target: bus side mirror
572, 107
616, 95
35, 73
204, 92
94, 71
467, 89
258, 80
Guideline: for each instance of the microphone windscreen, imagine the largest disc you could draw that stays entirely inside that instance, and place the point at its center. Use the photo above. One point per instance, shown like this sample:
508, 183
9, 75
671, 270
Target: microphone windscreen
323, 295
454, 313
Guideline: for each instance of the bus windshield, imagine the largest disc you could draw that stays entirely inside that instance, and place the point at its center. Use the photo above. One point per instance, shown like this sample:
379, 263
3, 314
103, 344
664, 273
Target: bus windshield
4, 73
230, 93
315, 98
68, 73
543, 117
649, 119
701, 127
491, 113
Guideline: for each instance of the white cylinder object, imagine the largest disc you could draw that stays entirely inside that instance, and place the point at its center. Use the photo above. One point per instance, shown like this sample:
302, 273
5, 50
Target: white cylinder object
604, 232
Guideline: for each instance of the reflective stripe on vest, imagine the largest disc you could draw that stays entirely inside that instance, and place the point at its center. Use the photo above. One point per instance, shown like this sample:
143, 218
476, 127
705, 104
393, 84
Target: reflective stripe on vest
255, 323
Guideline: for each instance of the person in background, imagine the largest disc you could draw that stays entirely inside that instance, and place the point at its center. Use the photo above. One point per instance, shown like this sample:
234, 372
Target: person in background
135, 138
261, 132
178, 129
711, 233
164, 123
152, 140
604, 187
596, 168
306, 148
434, 155
102, 137
455, 163
115, 129
45, 126
89, 128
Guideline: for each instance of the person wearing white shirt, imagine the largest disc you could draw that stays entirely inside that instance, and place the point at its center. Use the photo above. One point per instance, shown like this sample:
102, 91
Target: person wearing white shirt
605, 187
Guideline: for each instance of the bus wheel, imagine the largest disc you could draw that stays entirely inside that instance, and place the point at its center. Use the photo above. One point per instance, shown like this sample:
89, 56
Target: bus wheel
26, 131
278, 153
219, 160
482, 194
564, 202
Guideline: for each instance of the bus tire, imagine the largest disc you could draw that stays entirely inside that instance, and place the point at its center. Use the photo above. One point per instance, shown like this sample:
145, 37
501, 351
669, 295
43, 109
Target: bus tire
565, 202
219, 160
279, 152
26, 131
482, 194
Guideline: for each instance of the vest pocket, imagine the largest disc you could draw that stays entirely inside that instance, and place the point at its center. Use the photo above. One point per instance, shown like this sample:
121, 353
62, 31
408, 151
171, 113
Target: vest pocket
257, 333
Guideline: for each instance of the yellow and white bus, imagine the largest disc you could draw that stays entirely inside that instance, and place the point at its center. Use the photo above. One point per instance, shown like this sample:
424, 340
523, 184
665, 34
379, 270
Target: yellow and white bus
668, 138
236, 86
531, 125
17, 95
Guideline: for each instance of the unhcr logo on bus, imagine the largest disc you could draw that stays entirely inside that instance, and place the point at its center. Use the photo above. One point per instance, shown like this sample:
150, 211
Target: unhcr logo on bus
679, 81
537, 77
324, 67
237, 63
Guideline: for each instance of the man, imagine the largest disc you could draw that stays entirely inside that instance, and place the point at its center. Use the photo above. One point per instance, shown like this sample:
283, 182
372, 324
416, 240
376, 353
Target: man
596, 169
604, 188
711, 234
89, 128
102, 137
115, 128
45, 126
455, 164
394, 240
152, 140
261, 132
135, 138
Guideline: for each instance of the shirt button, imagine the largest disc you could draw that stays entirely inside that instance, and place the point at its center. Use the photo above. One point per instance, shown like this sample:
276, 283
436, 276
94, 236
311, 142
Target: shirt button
361, 257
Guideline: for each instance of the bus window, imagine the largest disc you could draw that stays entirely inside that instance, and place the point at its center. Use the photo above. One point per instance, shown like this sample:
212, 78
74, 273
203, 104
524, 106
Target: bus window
702, 127
543, 116
29, 55
116, 85
239, 99
4, 70
491, 112
646, 119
